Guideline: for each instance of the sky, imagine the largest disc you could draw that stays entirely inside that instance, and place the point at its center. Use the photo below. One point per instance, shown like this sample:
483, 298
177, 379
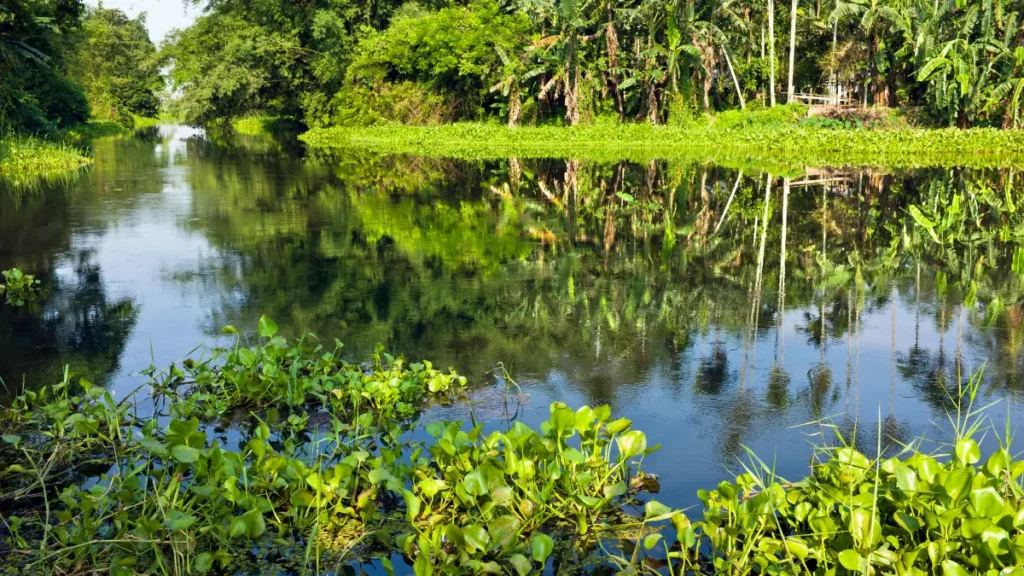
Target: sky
162, 16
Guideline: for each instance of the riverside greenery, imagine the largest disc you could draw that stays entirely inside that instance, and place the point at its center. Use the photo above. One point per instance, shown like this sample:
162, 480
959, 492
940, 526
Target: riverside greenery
780, 148
23, 158
90, 485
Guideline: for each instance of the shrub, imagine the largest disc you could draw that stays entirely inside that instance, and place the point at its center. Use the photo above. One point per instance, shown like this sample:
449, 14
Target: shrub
401, 103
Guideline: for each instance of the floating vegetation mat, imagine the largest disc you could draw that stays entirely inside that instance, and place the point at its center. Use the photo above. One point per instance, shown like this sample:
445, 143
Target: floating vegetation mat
323, 474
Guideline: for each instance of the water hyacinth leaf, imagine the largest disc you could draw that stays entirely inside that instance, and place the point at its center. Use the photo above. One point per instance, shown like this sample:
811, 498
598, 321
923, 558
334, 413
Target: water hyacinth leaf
651, 540
178, 521
412, 505
563, 419
614, 490
853, 561
503, 530
378, 475
865, 528
541, 547
185, 454
951, 568
968, 451
12, 439
655, 511
422, 565
476, 537
475, 483
521, 564
632, 444
268, 328
501, 496
987, 502
203, 563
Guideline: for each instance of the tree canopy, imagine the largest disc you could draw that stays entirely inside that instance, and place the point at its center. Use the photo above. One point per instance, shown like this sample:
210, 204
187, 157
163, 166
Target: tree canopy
333, 61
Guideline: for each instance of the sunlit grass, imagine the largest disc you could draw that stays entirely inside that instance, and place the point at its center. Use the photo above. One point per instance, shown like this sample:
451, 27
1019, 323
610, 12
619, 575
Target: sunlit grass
775, 146
26, 158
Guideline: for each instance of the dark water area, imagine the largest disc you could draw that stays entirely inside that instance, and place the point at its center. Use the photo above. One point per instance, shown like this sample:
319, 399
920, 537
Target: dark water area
661, 289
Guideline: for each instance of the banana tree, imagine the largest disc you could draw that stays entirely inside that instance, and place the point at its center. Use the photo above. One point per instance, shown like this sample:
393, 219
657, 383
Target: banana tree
571, 20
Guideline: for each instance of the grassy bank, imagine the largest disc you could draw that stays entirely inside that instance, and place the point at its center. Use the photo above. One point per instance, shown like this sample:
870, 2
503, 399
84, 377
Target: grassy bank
23, 158
780, 146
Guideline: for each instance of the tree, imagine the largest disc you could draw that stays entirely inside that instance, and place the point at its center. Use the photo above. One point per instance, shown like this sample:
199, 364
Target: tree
116, 63
35, 94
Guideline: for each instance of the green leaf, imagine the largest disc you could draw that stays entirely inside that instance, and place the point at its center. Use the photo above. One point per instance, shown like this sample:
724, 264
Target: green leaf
178, 521
632, 443
475, 483
203, 563
655, 511
541, 547
967, 451
185, 454
865, 529
476, 537
853, 561
521, 564
503, 530
267, 327
563, 419
987, 502
412, 505
12, 439
951, 568
378, 475
651, 540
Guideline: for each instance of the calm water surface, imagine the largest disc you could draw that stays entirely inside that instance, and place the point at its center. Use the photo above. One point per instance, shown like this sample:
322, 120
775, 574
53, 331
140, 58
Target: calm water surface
654, 288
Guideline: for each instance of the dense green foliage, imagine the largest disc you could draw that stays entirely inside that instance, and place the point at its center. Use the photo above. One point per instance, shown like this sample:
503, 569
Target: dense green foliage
59, 60
116, 63
24, 158
758, 141
325, 471
657, 60
17, 287
35, 92
176, 501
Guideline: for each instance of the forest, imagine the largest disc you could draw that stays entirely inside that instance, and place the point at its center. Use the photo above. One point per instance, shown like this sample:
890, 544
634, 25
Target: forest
344, 63
949, 62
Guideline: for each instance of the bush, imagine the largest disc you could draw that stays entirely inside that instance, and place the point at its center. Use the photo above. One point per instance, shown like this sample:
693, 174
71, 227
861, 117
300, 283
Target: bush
784, 115
402, 103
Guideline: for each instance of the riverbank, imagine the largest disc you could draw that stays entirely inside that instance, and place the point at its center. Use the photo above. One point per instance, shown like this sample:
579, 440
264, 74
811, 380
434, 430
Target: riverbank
779, 147
27, 157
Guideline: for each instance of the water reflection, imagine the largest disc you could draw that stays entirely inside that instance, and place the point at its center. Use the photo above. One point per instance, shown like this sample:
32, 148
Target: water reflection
717, 309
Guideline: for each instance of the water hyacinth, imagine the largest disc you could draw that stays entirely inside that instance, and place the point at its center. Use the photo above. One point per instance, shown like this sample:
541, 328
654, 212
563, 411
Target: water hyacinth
325, 472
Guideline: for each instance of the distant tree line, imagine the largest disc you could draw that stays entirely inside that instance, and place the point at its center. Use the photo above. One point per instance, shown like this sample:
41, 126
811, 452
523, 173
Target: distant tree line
957, 62
62, 63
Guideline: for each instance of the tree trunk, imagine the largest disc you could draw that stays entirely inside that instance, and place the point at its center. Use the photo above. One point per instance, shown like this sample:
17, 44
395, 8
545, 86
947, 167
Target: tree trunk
736, 82
771, 51
612, 46
792, 50
572, 85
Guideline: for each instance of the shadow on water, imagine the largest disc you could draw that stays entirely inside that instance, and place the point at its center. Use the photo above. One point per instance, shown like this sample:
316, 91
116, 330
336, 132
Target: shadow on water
713, 310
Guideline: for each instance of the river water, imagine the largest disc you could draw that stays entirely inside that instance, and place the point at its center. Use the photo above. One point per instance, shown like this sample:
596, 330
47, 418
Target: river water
660, 288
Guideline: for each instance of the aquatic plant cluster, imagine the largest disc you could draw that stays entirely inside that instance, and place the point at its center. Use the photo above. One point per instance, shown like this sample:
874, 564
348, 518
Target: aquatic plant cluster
27, 157
753, 145
18, 288
328, 471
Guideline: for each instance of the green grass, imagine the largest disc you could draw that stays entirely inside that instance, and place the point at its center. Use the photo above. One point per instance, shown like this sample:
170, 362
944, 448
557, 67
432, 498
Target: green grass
145, 122
97, 129
26, 158
253, 125
741, 141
